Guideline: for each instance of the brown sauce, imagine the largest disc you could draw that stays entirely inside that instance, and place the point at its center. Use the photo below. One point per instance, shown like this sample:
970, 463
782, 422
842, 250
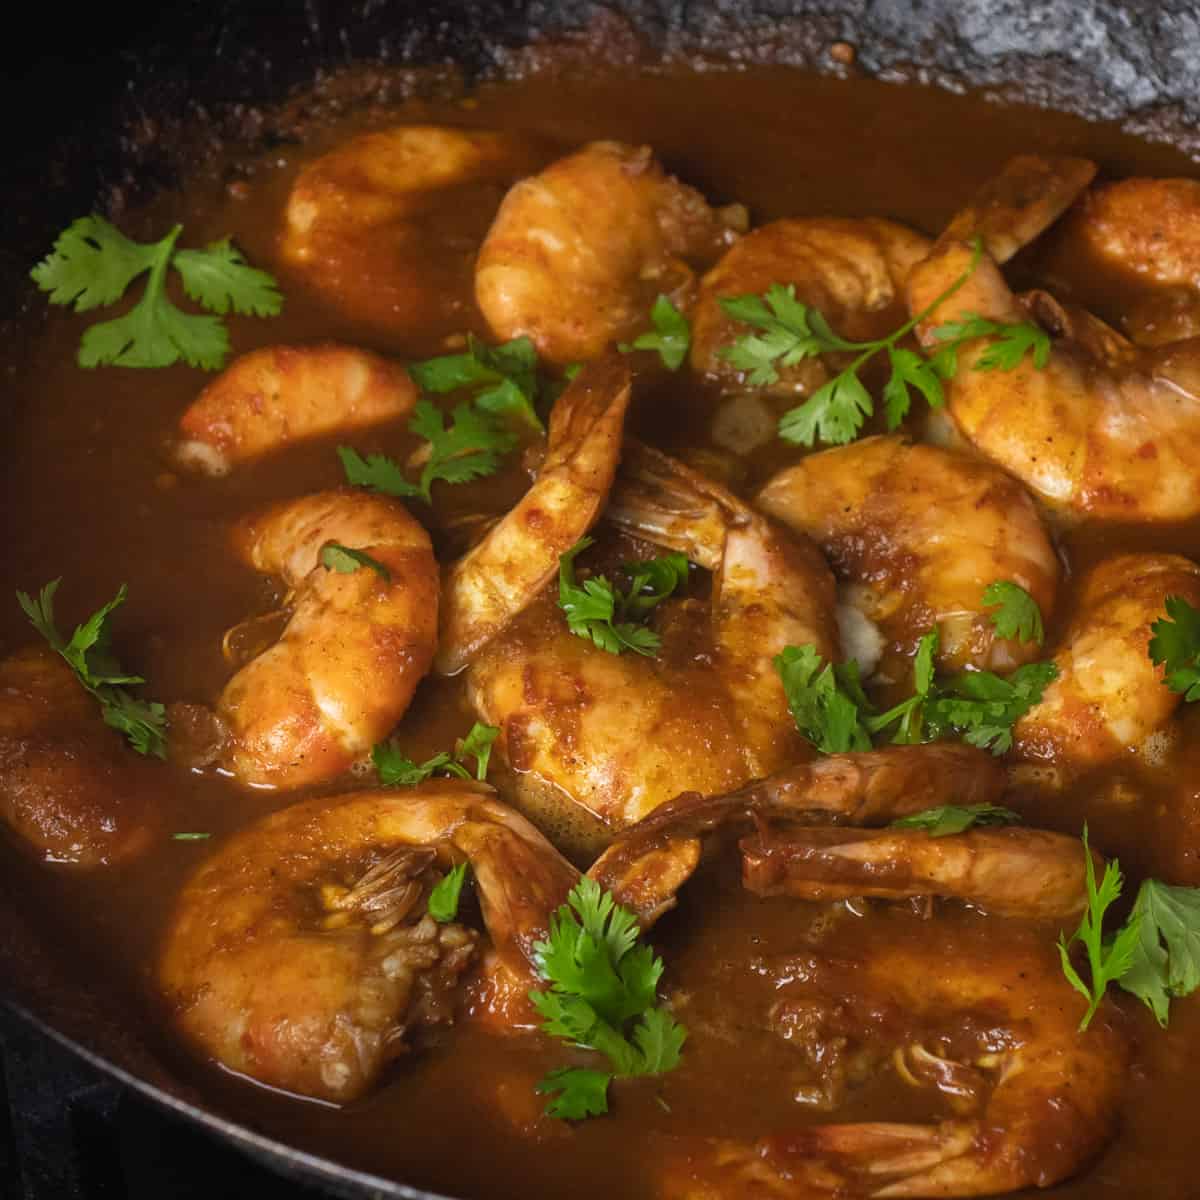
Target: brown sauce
87, 494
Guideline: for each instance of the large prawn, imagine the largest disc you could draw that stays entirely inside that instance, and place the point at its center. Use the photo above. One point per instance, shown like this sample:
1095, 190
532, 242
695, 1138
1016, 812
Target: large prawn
301, 953
1108, 435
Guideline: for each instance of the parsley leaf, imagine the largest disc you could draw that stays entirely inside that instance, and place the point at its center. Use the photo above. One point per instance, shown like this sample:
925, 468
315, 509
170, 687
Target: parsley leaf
190, 837
608, 617
469, 449
1176, 647
443, 900
93, 263
789, 331
671, 336
1108, 959
954, 818
600, 980
825, 710
396, 769
1166, 955
505, 376
333, 556
983, 707
910, 712
143, 722
1017, 614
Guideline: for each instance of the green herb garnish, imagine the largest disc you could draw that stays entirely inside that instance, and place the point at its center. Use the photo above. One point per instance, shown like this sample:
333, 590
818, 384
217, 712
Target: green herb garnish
143, 722
396, 769
333, 556
92, 264
1016, 612
602, 996
443, 900
824, 707
947, 819
671, 336
505, 376
1175, 646
1166, 955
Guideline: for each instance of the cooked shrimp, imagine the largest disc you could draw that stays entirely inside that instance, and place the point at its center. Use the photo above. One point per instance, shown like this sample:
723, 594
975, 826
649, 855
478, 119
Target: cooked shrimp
502, 575
385, 228
648, 863
618, 735
68, 788
989, 1022
1109, 697
1089, 437
1010, 872
270, 398
1144, 231
301, 953
852, 271
917, 533
577, 254
344, 669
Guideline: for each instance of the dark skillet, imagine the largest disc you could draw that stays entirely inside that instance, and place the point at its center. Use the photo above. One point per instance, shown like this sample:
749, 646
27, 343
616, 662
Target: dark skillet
101, 106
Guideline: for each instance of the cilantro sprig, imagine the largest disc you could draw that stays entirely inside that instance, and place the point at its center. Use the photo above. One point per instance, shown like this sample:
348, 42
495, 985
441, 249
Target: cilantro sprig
88, 654
602, 996
1016, 613
505, 377
469, 448
444, 898
825, 708
789, 331
947, 819
345, 560
671, 335
93, 263
606, 615
1175, 646
396, 769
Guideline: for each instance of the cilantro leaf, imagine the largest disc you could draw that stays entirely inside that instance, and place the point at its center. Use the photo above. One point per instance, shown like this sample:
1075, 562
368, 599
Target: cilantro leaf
443, 900
600, 980
396, 769
93, 263
505, 376
1166, 957
87, 653
1017, 614
581, 1093
825, 712
1012, 341
671, 336
1108, 959
983, 707
834, 413
1175, 646
377, 472
333, 556
597, 611
954, 818
469, 448
910, 712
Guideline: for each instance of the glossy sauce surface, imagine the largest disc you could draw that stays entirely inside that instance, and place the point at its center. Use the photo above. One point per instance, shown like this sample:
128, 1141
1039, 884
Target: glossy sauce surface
89, 494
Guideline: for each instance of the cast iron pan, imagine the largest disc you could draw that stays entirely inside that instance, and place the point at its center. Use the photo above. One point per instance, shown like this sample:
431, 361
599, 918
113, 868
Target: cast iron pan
105, 105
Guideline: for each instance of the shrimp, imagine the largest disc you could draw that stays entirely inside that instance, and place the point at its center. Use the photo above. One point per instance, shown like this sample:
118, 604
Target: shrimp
386, 226
990, 1022
301, 953
852, 271
577, 254
501, 576
917, 533
345, 666
270, 398
68, 789
1109, 696
1089, 437
1009, 872
616, 736
647, 864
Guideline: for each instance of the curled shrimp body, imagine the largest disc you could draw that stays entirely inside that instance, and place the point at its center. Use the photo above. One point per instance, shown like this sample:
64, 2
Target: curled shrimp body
345, 667
502, 575
851, 270
363, 226
301, 953
69, 789
1109, 696
990, 1022
270, 398
917, 533
619, 735
577, 254
648, 862
1089, 435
